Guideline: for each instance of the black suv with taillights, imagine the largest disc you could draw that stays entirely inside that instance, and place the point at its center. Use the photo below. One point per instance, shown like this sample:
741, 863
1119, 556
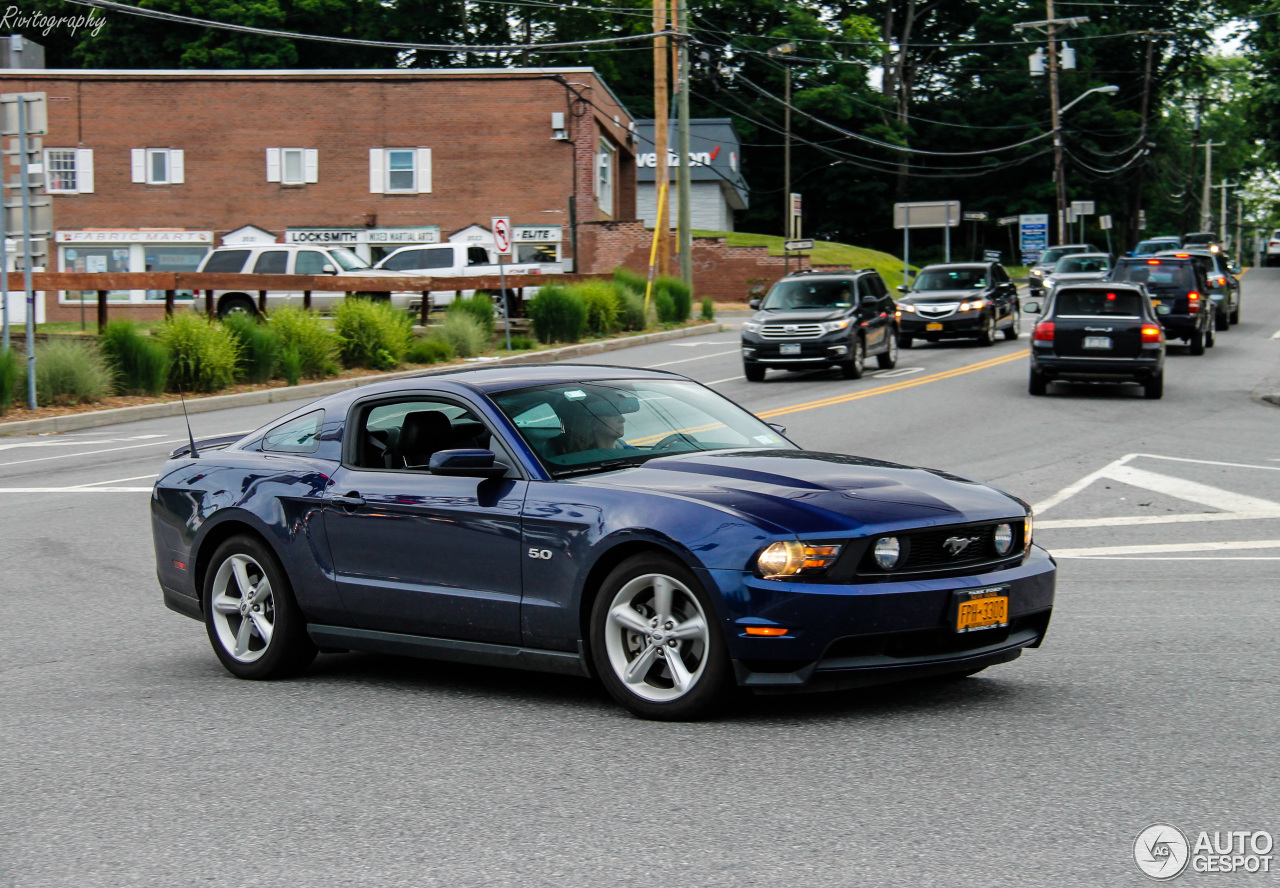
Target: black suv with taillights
1178, 284
1103, 332
812, 320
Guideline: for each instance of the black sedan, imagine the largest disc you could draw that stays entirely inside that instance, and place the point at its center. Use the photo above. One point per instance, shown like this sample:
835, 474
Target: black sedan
1103, 332
959, 301
626, 524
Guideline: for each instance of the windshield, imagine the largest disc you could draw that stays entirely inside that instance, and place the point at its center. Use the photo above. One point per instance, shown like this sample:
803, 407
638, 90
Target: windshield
800, 294
1082, 264
1155, 273
950, 279
347, 259
581, 427
1051, 257
1093, 303
1154, 246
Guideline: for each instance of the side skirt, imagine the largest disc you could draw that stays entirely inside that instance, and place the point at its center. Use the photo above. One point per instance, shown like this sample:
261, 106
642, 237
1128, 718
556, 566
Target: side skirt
453, 650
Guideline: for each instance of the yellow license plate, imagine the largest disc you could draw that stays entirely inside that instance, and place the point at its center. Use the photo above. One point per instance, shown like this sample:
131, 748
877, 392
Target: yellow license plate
933, 326
982, 613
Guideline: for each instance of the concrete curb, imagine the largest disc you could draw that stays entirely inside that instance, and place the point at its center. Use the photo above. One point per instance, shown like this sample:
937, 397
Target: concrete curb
73, 421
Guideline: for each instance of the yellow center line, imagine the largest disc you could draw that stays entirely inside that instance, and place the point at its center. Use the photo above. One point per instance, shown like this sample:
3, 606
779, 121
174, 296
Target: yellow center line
895, 387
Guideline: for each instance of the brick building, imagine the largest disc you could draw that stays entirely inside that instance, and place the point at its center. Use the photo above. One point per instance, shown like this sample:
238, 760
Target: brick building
147, 170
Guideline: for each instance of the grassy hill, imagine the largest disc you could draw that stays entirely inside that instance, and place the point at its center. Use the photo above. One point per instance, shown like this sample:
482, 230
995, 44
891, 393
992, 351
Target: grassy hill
824, 253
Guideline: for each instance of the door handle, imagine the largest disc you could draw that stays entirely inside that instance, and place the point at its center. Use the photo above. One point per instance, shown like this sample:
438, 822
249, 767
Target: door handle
351, 499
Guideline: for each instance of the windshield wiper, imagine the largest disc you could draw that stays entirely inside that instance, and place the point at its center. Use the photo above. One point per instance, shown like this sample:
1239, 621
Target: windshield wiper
606, 466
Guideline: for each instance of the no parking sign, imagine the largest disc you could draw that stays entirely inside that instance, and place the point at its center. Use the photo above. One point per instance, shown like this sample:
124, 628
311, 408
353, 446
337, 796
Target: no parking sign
501, 226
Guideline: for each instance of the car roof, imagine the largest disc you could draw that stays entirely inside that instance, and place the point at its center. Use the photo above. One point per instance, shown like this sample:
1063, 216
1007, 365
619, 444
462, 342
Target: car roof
1088, 256
1101, 285
491, 380
983, 265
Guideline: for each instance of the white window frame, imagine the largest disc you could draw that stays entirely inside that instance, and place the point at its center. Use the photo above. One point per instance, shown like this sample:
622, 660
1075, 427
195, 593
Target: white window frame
308, 165
604, 176
380, 171
82, 171
175, 166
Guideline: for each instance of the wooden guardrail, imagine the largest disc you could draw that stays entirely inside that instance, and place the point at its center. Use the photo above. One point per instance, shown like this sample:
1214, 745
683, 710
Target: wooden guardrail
171, 282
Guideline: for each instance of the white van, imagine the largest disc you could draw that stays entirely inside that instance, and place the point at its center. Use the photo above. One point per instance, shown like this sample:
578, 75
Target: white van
290, 259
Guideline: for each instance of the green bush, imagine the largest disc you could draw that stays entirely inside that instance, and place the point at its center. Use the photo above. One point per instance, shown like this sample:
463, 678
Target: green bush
708, 309
633, 314
71, 373
558, 315
316, 344
291, 365
204, 353
372, 334
11, 375
680, 296
603, 302
139, 363
462, 333
630, 281
260, 349
429, 350
480, 306
522, 343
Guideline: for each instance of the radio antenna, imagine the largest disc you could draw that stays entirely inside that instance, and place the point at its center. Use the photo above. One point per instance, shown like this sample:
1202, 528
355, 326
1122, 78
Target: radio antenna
195, 454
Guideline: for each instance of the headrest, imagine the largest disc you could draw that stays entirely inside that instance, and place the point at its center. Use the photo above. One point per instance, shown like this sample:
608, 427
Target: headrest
424, 430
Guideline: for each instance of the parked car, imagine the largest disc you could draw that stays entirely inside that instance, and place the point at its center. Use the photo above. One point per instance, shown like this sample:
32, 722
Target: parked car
1079, 268
290, 259
450, 260
1180, 285
1272, 255
963, 300
814, 320
1048, 261
1151, 246
1224, 286
1098, 332
630, 525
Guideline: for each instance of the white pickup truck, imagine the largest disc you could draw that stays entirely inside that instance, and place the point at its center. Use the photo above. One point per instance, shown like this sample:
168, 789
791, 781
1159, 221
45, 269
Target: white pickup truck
451, 260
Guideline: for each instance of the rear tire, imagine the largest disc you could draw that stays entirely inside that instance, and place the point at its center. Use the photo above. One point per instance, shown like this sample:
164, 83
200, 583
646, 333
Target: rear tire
852, 369
1235, 315
1153, 389
252, 619
1197, 343
889, 359
1222, 321
754, 372
237, 304
1210, 337
1037, 385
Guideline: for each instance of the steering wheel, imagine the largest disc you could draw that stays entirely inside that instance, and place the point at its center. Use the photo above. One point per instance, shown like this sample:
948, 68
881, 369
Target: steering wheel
668, 442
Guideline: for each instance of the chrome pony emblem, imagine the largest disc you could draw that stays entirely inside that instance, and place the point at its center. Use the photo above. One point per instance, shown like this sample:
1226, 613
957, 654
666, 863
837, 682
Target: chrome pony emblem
956, 545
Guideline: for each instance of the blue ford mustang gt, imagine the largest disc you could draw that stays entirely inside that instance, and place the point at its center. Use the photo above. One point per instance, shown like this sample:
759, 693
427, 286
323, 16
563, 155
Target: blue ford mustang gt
627, 524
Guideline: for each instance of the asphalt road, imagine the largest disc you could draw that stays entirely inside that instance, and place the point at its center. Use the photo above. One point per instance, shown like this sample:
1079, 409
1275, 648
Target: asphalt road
129, 757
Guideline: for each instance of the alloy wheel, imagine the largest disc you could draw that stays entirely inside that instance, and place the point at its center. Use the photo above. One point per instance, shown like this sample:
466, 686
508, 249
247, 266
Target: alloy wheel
657, 637
243, 608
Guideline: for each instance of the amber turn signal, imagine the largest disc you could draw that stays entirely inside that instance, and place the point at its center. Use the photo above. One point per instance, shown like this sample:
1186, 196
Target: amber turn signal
772, 631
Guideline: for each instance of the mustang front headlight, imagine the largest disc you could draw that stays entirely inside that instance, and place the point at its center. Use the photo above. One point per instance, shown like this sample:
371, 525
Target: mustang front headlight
833, 326
887, 552
790, 558
1003, 539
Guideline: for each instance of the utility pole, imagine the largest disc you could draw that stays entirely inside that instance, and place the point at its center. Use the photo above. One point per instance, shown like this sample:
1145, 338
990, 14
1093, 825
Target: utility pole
1134, 232
1191, 165
661, 170
683, 220
1222, 220
1206, 205
1050, 26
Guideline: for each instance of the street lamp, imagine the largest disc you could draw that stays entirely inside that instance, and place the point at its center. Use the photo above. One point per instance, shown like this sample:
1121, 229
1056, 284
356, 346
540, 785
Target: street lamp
1109, 90
1059, 182
784, 49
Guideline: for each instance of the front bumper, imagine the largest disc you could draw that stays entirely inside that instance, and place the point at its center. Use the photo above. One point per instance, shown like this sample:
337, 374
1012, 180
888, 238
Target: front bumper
970, 323
829, 348
875, 632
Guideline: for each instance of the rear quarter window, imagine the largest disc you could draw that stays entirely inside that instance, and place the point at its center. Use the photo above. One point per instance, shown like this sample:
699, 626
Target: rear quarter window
299, 435
226, 261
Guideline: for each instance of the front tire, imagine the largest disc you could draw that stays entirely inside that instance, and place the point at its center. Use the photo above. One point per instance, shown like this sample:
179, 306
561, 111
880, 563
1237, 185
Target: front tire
656, 643
852, 368
252, 619
237, 304
1014, 330
754, 372
988, 334
888, 359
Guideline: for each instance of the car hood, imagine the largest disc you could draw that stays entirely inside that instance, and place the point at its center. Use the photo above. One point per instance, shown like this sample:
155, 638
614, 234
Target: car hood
807, 316
807, 492
942, 296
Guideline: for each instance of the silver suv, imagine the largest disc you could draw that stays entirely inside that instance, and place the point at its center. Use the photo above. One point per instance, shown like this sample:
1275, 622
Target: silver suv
290, 259
1048, 261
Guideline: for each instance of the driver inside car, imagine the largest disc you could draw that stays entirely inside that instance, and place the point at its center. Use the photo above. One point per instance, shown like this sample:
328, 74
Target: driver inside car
592, 423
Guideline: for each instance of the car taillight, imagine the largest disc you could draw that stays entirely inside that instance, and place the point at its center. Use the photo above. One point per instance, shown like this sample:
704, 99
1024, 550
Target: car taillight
1193, 298
1044, 332
1152, 334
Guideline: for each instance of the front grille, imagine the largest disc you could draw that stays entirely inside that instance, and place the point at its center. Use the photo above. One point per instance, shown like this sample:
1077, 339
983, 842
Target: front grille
791, 331
937, 310
919, 643
936, 549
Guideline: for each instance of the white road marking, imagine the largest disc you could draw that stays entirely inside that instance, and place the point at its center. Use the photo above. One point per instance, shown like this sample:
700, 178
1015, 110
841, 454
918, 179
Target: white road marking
726, 379
1208, 462
1127, 521
1276, 335
733, 351
702, 342
18, 462
70, 441
1076, 486
115, 481
1160, 548
899, 371
75, 489
1177, 558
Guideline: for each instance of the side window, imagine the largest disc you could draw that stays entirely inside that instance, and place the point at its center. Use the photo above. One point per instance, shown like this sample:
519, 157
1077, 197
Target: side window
404, 260
477, 256
405, 434
227, 261
301, 435
271, 262
310, 262
440, 257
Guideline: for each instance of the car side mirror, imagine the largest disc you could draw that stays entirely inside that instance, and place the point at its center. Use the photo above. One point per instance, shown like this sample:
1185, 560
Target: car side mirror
754, 304
1163, 310
1128, 252
903, 288
1031, 308
328, 269
780, 429
467, 463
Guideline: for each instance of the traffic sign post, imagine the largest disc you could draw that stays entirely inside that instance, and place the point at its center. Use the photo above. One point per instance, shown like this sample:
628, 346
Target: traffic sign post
501, 226
1104, 222
1080, 209
796, 246
944, 214
1034, 236
974, 217
24, 115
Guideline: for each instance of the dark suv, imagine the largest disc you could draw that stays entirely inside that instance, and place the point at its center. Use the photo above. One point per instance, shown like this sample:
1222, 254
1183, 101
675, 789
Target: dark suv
1224, 287
813, 320
1179, 284
964, 300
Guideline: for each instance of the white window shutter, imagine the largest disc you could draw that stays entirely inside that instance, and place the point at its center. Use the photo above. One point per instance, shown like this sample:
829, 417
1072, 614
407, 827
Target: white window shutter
84, 170
424, 170
376, 181
311, 165
273, 164
139, 164
177, 174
